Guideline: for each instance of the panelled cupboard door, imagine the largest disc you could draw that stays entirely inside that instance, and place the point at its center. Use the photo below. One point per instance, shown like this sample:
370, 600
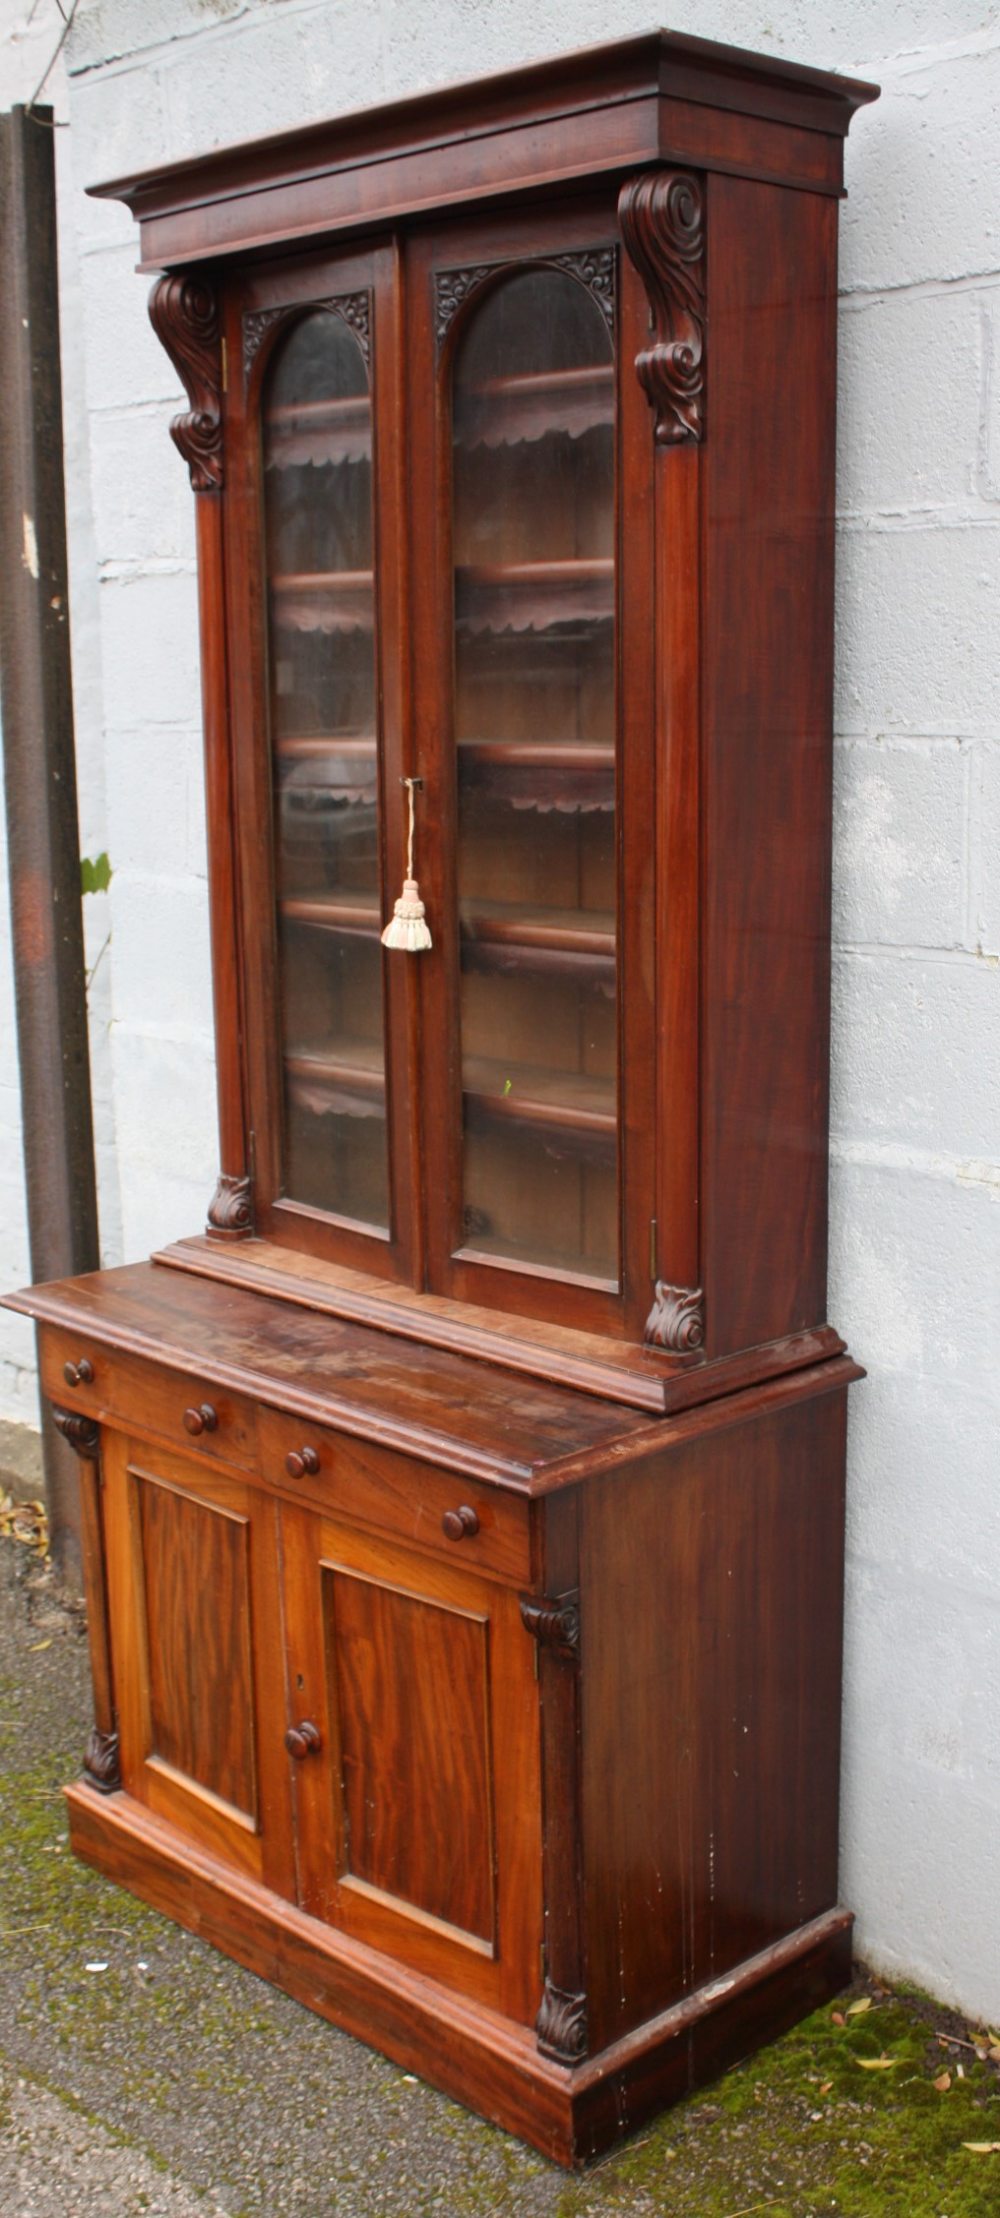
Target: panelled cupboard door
417, 1785
196, 1628
315, 579
532, 630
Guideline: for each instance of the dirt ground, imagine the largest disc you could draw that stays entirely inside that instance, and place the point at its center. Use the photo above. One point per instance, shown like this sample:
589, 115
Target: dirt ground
140, 2072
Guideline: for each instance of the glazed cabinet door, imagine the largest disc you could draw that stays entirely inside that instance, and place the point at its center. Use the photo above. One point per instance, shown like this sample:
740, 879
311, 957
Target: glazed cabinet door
196, 1634
316, 581
533, 644
417, 1774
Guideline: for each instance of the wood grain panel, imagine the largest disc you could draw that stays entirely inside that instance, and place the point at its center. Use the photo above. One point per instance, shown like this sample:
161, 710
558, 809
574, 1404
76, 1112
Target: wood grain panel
411, 1690
195, 1560
195, 1649
502, 1970
768, 519
711, 1614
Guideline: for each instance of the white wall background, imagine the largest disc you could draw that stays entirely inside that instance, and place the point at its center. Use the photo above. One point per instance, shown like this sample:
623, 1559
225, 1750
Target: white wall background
916, 1178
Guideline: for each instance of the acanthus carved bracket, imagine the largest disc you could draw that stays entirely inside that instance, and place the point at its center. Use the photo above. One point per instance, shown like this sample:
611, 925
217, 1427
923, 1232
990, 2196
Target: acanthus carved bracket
102, 1761
554, 1622
677, 1319
594, 267
230, 1211
354, 308
561, 2025
662, 217
185, 317
81, 1432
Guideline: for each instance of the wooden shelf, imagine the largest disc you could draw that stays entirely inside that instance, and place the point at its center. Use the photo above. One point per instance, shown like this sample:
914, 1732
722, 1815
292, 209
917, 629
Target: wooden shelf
512, 937
532, 596
321, 746
515, 411
348, 1084
318, 433
355, 918
324, 600
539, 774
340, 773
563, 1103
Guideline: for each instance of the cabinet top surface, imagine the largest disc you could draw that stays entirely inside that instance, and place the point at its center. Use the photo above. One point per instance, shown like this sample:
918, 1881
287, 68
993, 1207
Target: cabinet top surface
454, 1409
577, 115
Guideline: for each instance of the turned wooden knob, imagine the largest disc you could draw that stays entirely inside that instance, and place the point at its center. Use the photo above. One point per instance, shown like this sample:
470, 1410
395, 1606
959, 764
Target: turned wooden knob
303, 1740
79, 1374
301, 1463
459, 1524
202, 1419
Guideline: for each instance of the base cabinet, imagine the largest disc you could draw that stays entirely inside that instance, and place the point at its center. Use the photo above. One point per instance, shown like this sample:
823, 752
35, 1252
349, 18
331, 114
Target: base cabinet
533, 1784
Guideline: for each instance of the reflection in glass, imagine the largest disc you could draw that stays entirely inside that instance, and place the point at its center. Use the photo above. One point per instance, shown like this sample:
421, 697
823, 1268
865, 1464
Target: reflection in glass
317, 442
533, 490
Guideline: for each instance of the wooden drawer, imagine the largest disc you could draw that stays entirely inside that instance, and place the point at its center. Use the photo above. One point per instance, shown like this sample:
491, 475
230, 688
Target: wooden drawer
356, 1481
148, 1398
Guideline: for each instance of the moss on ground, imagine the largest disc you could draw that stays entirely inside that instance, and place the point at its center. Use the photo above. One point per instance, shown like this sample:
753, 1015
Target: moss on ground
841, 2117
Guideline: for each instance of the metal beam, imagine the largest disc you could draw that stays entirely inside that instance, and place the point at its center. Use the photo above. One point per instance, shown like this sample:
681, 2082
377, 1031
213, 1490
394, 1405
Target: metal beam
39, 762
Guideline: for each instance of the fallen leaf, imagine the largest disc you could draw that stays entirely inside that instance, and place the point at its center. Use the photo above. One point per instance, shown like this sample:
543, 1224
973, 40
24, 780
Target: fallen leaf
854, 2009
983, 2148
878, 2063
943, 2083
825, 2089
38, 1645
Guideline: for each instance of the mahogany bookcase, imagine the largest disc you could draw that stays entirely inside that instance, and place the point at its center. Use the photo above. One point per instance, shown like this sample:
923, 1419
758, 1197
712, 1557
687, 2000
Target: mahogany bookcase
464, 1509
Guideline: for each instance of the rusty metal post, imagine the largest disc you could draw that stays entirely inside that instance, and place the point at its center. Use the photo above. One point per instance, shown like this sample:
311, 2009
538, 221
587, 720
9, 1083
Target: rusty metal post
39, 762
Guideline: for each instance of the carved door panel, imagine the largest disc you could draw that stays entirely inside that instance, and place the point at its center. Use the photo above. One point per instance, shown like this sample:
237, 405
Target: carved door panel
196, 1633
417, 1785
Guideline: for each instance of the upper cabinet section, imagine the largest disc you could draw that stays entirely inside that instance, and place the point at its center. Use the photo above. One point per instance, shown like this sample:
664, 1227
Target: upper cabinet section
511, 421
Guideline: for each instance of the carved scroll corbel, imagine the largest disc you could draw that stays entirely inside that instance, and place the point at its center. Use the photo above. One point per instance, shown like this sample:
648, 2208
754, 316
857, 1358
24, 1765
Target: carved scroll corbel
102, 1761
101, 1757
662, 217
561, 2025
230, 1211
554, 1621
185, 317
677, 1319
81, 1432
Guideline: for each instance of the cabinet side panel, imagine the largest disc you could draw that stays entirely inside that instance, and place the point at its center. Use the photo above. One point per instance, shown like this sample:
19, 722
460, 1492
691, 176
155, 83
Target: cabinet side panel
711, 1630
768, 463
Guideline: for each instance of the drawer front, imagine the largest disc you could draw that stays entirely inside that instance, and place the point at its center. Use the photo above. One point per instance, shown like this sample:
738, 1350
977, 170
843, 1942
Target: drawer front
351, 1479
193, 1415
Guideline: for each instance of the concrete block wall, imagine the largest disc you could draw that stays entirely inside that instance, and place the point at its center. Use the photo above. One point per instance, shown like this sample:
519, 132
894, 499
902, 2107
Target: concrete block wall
915, 1277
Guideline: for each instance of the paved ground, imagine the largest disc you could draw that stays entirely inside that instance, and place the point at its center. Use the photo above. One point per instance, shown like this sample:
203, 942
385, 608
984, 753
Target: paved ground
140, 2072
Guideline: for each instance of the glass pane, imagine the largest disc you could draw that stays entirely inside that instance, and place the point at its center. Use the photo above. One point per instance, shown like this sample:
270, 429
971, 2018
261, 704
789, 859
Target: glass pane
535, 735
318, 488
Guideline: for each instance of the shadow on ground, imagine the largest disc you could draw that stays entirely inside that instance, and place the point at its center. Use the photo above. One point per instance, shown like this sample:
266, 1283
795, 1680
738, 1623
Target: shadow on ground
140, 2072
